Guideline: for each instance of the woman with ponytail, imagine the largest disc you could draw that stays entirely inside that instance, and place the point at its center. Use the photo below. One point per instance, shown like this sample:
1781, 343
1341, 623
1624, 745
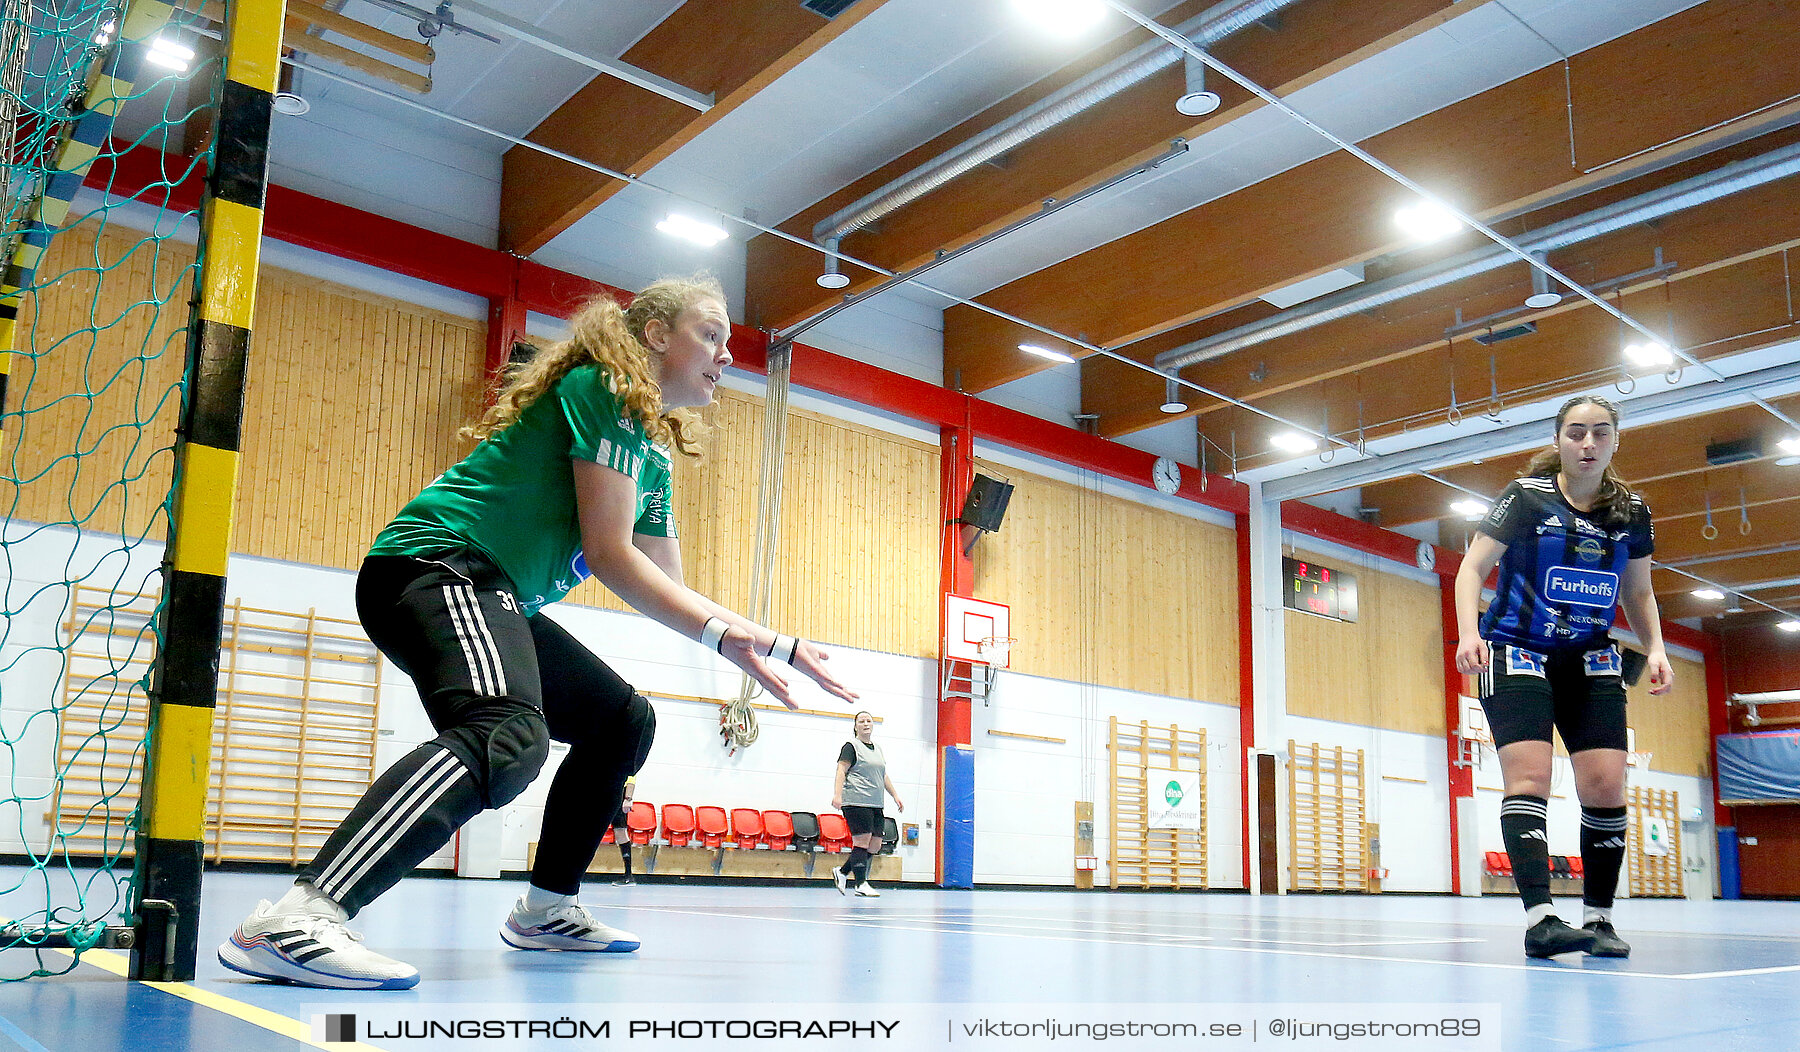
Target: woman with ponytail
1572, 543
571, 477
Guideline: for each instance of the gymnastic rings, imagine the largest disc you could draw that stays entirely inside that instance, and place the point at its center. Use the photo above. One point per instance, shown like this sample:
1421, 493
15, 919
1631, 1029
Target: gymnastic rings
1625, 384
1709, 531
1454, 415
1743, 513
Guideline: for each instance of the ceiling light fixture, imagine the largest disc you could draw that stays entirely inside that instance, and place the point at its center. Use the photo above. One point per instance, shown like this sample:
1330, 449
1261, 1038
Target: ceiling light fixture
1046, 353
1711, 595
1470, 508
169, 54
831, 279
688, 228
1294, 442
1426, 222
1196, 101
1790, 446
1172, 401
1789, 626
1542, 295
1649, 355
288, 99
1065, 18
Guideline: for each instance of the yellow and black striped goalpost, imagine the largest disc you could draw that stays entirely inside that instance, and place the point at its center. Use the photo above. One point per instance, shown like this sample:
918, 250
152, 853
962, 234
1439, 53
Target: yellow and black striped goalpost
171, 845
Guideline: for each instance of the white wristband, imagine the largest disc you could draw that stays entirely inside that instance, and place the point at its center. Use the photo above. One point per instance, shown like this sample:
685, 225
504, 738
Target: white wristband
783, 648
713, 633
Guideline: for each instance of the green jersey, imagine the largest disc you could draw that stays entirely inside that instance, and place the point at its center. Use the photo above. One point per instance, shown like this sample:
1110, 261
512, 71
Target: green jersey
513, 497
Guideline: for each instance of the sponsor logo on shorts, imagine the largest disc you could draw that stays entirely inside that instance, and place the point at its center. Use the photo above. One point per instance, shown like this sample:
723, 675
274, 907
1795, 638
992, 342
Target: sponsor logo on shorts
1534, 834
1524, 662
1617, 841
1577, 587
1603, 662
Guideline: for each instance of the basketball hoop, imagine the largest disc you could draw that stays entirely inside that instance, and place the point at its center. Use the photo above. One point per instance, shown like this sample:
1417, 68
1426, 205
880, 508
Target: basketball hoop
995, 650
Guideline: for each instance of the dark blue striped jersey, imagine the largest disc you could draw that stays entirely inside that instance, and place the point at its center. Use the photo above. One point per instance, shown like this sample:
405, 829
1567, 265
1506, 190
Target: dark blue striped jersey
1561, 573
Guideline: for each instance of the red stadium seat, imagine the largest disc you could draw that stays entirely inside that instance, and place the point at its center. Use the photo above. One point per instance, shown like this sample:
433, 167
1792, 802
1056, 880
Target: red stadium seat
640, 823
778, 830
746, 827
1494, 866
1575, 869
608, 838
709, 821
834, 832
677, 824
1505, 864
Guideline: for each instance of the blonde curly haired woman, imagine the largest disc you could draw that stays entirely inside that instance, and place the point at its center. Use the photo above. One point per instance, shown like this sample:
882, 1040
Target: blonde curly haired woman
571, 478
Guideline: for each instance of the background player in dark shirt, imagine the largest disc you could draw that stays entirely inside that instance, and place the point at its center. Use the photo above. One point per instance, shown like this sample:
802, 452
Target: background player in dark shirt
1572, 543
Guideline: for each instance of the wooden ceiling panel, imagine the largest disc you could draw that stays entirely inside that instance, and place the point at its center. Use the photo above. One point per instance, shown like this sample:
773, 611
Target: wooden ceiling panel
1311, 41
1682, 539
727, 48
1754, 485
1560, 358
1492, 152
1748, 233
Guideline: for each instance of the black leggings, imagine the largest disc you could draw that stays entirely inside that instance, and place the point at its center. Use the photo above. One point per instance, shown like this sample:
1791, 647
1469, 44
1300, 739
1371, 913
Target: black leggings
497, 686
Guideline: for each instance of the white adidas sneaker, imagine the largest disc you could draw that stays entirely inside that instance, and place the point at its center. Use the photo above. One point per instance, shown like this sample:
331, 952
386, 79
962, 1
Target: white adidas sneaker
867, 890
566, 927
309, 950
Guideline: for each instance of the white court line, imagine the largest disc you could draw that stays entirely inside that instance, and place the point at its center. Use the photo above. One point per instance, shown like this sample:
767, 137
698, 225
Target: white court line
1223, 922
1099, 927
988, 925
1400, 941
1041, 934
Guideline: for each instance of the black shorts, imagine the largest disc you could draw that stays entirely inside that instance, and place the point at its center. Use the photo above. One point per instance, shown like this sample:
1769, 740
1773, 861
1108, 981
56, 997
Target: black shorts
1578, 692
862, 820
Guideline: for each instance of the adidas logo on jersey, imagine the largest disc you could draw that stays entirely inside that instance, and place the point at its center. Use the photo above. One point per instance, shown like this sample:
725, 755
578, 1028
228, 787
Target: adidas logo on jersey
1552, 520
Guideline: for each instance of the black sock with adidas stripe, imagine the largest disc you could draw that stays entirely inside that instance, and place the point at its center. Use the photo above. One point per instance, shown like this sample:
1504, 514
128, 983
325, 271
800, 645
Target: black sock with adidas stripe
1602, 853
1523, 821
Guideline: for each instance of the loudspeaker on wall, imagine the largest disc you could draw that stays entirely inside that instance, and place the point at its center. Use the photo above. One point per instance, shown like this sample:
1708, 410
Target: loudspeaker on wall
985, 505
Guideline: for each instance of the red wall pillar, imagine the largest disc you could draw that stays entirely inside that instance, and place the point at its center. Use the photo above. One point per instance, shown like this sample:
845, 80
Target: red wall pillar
506, 325
1246, 688
956, 574
1462, 779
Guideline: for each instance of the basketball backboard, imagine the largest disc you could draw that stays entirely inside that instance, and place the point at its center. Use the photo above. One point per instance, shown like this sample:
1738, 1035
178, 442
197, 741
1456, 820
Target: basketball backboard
968, 623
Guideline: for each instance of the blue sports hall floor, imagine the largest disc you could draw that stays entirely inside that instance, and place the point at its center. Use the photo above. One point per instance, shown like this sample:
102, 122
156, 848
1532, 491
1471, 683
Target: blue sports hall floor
1702, 975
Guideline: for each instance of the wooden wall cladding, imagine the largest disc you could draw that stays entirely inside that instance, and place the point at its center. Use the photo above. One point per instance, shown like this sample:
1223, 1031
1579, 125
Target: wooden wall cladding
857, 559
352, 402
1115, 593
1673, 728
1384, 670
